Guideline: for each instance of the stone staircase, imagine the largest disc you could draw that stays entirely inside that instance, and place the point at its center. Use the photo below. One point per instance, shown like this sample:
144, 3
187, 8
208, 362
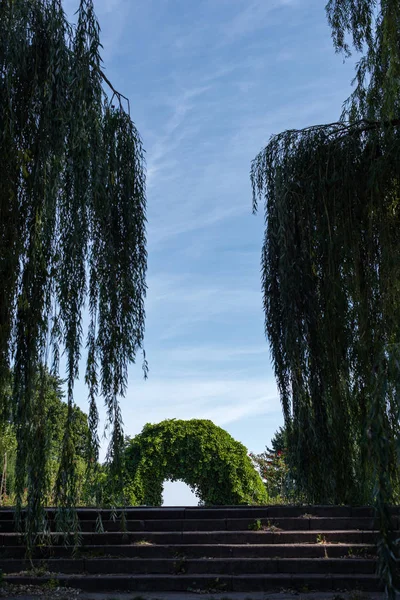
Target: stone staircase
215, 549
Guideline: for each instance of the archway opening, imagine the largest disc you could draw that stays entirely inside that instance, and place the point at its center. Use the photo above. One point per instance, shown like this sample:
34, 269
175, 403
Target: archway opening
178, 493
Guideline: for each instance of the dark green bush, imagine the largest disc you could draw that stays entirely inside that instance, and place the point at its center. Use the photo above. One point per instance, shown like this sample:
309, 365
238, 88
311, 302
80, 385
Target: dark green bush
214, 465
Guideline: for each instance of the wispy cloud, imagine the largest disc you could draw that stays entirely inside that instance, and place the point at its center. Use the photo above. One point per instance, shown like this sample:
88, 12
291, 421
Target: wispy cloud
196, 179
215, 354
159, 154
221, 401
192, 219
252, 16
189, 303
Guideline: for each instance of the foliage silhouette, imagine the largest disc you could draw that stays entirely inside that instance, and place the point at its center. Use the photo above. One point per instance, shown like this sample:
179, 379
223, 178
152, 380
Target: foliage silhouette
331, 277
72, 230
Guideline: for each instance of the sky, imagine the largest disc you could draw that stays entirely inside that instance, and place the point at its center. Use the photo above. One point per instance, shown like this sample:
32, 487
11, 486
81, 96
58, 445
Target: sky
209, 81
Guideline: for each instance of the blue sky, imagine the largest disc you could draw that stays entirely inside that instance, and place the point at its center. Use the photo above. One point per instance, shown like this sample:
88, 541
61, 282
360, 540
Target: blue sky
209, 82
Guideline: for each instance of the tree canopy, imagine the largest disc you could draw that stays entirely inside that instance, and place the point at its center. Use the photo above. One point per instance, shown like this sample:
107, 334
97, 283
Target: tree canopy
72, 232
214, 465
273, 468
331, 276
56, 414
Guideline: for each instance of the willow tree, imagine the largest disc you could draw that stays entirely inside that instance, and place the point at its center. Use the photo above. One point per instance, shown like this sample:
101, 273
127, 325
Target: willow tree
331, 276
72, 232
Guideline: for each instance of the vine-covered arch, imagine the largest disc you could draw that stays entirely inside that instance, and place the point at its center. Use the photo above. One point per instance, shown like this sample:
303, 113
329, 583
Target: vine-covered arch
214, 465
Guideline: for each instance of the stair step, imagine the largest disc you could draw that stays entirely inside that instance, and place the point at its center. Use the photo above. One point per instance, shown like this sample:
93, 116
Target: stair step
286, 524
212, 537
215, 583
219, 512
204, 566
199, 550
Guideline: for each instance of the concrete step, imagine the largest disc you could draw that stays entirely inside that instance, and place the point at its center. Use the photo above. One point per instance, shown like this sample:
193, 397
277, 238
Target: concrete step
210, 537
219, 512
204, 583
178, 566
246, 524
199, 551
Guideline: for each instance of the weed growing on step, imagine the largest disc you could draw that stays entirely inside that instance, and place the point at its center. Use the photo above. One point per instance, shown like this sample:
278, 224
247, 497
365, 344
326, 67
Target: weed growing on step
272, 527
39, 570
321, 539
181, 556
51, 584
180, 567
359, 553
256, 526
219, 586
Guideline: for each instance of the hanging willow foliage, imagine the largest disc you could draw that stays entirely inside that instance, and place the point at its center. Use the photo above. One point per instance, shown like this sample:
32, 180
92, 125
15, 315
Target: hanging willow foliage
72, 230
331, 278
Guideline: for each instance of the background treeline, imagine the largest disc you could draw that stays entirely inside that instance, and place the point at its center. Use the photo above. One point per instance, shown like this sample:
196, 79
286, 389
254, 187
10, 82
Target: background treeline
56, 411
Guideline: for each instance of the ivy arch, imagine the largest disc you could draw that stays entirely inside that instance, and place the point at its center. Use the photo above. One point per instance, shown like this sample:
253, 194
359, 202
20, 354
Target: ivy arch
214, 465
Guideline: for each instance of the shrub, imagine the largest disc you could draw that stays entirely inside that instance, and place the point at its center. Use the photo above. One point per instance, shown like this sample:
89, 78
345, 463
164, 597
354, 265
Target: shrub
214, 465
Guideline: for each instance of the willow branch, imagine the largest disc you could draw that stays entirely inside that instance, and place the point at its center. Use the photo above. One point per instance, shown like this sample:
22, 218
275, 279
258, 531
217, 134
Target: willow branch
115, 92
